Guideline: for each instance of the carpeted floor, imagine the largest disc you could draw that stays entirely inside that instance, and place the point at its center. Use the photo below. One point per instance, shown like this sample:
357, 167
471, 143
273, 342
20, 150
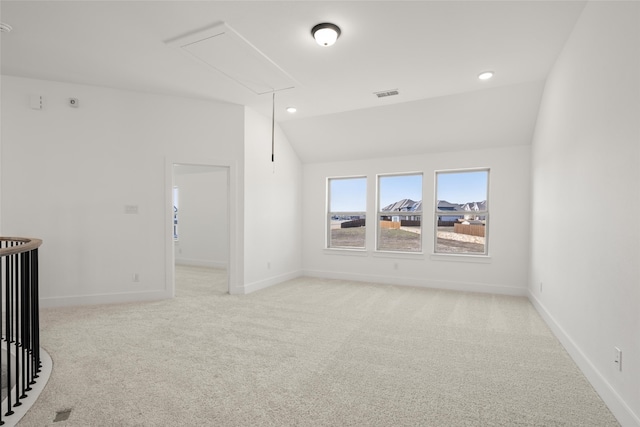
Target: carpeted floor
310, 352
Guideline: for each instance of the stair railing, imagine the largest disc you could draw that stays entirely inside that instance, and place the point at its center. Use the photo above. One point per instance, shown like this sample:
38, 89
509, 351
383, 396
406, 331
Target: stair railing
19, 321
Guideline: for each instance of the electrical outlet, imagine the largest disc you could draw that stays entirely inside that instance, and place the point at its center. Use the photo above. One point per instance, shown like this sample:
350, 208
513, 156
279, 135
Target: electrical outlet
540, 287
136, 277
395, 265
617, 357
269, 265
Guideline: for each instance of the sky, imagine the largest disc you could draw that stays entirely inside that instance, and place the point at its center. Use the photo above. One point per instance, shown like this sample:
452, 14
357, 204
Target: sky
398, 187
349, 194
462, 187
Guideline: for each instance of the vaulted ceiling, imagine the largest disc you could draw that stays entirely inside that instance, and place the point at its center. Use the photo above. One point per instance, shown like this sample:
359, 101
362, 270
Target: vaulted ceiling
430, 51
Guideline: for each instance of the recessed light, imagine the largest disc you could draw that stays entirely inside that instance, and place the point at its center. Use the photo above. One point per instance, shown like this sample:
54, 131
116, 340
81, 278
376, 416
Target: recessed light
291, 110
485, 75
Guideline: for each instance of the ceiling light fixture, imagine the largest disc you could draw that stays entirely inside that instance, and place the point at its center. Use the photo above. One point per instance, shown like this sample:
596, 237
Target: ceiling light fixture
485, 75
325, 34
291, 110
5, 28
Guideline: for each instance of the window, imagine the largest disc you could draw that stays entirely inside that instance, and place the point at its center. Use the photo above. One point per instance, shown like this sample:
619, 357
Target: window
347, 205
400, 213
462, 212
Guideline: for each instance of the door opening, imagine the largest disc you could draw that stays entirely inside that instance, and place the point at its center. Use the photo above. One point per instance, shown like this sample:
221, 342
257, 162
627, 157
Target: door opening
200, 228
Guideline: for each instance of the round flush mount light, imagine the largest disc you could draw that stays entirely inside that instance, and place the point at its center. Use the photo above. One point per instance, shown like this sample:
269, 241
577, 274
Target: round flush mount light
5, 28
325, 34
485, 75
291, 110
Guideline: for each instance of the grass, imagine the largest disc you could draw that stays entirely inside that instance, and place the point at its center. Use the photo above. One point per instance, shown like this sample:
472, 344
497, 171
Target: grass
399, 240
456, 247
390, 240
348, 237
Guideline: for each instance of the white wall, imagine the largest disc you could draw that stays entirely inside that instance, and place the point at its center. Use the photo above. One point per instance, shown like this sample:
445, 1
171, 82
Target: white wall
586, 198
272, 219
203, 231
505, 271
67, 174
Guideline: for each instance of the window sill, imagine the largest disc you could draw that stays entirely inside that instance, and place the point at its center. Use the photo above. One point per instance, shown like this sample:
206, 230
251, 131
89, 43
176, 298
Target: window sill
345, 251
479, 259
398, 254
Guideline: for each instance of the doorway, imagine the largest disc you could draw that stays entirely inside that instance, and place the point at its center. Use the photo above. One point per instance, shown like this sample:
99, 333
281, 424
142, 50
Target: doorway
200, 228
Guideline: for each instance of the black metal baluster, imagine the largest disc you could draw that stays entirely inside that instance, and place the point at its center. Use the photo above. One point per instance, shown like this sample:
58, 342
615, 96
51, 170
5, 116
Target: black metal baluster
2, 269
36, 313
8, 305
24, 327
21, 322
16, 335
30, 310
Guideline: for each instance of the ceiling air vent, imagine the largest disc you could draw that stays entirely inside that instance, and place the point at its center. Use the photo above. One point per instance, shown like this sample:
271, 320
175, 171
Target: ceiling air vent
386, 93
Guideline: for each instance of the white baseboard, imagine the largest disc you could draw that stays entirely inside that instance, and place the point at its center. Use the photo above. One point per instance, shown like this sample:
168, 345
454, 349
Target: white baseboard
625, 415
201, 263
75, 300
420, 283
265, 283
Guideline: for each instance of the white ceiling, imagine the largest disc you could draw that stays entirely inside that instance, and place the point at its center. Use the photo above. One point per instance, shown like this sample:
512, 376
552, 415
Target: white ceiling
431, 51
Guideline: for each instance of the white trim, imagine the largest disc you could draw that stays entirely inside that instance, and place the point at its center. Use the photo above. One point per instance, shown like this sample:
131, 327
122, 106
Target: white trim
378, 207
421, 283
266, 283
202, 263
484, 213
478, 169
611, 398
346, 251
441, 256
378, 254
32, 396
327, 237
398, 255
97, 299
234, 237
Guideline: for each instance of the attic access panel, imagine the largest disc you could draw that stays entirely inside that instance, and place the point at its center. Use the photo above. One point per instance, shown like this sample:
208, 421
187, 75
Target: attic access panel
225, 50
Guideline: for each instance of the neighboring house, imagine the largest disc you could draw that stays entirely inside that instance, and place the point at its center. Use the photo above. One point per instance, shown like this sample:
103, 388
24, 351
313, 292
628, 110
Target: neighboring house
443, 205
404, 205
408, 205
475, 207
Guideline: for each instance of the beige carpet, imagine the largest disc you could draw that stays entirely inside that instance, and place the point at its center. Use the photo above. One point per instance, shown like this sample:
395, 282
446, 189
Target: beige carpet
311, 352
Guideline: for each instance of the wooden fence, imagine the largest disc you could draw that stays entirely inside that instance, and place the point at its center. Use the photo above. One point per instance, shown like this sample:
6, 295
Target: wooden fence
353, 223
470, 229
390, 224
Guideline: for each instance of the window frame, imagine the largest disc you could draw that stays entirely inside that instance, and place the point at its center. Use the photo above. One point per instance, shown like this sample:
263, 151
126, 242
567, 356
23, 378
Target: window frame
330, 213
485, 213
380, 213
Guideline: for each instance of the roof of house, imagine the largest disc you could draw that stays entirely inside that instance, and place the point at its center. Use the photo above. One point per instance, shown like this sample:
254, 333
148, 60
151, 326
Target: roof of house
404, 205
